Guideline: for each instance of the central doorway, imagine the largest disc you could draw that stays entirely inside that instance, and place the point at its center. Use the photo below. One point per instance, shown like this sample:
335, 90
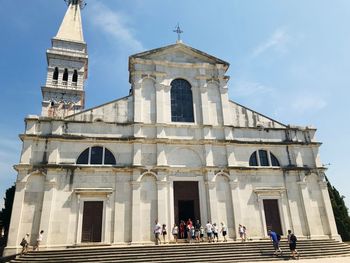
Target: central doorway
186, 201
92, 221
272, 216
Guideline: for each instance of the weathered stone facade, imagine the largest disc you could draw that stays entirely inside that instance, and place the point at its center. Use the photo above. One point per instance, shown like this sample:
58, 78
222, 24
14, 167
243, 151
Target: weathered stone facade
152, 153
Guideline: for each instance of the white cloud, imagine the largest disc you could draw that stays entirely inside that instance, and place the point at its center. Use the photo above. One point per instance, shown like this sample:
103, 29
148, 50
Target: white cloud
114, 24
308, 103
277, 41
248, 88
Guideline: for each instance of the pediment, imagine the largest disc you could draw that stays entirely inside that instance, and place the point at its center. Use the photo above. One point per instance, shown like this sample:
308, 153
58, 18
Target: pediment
179, 53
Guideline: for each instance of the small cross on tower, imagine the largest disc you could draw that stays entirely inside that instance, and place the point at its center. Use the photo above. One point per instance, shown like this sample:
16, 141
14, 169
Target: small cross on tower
179, 32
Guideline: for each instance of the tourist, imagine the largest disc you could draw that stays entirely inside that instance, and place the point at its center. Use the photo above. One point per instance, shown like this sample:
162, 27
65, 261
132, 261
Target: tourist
244, 233
215, 232
275, 238
197, 230
164, 232
38, 241
201, 235
292, 241
188, 231
157, 231
175, 232
182, 229
223, 231
241, 232
209, 229
193, 234
24, 244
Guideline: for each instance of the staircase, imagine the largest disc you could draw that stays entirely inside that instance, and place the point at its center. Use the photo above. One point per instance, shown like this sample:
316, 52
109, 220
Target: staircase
203, 252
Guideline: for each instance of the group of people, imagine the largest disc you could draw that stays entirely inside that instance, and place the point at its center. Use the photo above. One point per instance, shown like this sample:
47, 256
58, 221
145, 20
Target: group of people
191, 232
25, 242
292, 242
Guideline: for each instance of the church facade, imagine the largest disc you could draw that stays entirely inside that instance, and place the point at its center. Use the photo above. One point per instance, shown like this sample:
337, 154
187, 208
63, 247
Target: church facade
175, 148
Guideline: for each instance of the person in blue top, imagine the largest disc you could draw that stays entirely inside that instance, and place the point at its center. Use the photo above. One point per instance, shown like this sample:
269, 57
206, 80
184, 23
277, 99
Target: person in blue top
275, 238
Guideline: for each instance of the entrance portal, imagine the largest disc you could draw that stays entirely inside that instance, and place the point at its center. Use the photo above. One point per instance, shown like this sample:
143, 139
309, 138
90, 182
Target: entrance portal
272, 216
186, 201
92, 221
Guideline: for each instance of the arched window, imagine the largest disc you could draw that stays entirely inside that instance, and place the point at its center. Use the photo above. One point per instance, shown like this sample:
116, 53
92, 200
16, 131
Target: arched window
55, 74
263, 158
75, 76
65, 75
181, 101
96, 155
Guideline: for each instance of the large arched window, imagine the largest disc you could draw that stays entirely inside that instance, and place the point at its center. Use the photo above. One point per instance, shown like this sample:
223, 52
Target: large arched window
181, 101
263, 158
96, 155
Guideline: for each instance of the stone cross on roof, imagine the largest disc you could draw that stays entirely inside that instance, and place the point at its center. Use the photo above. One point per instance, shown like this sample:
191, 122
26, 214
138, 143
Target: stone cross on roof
179, 32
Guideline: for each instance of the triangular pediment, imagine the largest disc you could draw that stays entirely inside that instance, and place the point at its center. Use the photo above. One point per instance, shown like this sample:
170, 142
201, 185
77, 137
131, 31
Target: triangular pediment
179, 53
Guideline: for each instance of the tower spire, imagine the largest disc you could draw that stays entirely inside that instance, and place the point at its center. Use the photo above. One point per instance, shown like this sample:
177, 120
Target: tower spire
63, 93
71, 27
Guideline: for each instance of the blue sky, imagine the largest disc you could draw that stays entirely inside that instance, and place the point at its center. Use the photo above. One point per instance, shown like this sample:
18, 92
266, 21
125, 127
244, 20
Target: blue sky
290, 60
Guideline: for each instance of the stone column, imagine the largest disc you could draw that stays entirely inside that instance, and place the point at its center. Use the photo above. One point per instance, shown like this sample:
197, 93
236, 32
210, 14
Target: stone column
15, 232
137, 101
136, 212
137, 154
205, 104
47, 211
160, 103
307, 207
163, 203
209, 155
329, 212
161, 157
213, 210
225, 104
237, 214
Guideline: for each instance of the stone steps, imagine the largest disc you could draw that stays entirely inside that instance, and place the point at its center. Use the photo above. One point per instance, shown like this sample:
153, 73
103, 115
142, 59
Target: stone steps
203, 252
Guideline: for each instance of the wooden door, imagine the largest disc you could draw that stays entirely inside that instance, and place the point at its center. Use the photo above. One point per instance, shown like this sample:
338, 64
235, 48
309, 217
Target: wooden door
92, 221
272, 216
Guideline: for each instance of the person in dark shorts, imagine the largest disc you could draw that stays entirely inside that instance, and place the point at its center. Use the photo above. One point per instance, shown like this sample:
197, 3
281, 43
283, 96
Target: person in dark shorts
224, 231
164, 232
292, 241
275, 238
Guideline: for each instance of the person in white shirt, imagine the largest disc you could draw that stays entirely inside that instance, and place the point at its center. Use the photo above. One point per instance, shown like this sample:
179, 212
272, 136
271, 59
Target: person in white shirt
157, 230
175, 232
209, 230
38, 241
215, 233
224, 231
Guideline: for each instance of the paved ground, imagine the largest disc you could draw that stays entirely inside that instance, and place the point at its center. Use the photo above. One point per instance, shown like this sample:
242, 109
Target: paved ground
318, 260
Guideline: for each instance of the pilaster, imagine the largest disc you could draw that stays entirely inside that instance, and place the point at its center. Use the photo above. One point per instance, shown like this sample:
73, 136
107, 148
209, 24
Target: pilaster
48, 208
136, 211
213, 210
137, 102
237, 213
205, 104
163, 203
226, 110
333, 232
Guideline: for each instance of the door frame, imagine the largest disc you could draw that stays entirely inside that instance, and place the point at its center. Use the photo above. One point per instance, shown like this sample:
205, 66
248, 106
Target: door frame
271, 193
102, 195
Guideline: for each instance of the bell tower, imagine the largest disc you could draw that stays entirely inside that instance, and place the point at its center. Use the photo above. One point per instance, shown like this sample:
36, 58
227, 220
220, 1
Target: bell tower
63, 93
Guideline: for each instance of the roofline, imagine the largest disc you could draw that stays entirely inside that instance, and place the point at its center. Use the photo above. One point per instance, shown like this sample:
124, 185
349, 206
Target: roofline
280, 123
104, 104
220, 61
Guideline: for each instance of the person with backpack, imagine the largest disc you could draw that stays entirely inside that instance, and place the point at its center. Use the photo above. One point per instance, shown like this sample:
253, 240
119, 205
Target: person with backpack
292, 241
24, 244
275, 238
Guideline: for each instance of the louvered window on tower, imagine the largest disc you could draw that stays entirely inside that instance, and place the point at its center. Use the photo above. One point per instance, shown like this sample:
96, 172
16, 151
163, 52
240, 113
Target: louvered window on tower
75, 78
55, 75
65, 76
181, 101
